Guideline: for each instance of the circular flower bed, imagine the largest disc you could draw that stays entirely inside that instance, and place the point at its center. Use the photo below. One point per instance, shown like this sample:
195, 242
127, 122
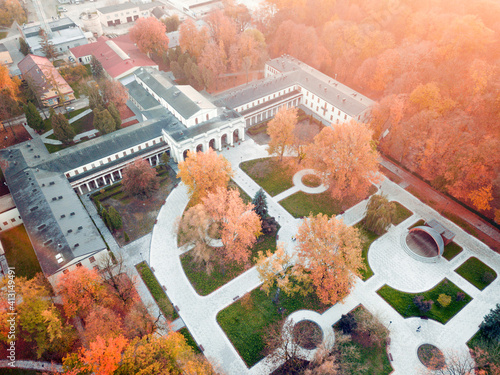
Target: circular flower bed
311, 180
431, 357
307, 334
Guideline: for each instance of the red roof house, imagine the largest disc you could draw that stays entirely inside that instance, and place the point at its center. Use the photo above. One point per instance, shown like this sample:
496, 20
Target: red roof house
48, 84
119, 56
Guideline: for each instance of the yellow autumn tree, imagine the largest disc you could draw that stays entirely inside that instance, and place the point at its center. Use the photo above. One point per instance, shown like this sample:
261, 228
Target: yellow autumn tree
204, 172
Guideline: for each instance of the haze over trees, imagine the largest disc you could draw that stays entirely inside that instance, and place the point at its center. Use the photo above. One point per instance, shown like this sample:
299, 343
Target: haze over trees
346, 159
149, 35
430, 66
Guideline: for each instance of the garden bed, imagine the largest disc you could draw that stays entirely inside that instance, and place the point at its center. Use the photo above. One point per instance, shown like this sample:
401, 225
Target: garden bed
205, 284
477, 273
190, 340
246, 321
302, 204
402, 213
403, 302
157, 291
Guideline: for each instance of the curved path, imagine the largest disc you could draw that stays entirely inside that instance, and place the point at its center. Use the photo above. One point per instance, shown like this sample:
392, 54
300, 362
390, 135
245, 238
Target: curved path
389, 262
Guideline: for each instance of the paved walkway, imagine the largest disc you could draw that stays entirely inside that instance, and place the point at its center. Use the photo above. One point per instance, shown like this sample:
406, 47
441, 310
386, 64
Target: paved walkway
391, 265
33, 365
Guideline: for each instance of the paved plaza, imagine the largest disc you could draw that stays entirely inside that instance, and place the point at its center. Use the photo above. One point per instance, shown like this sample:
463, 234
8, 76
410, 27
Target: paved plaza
390, 263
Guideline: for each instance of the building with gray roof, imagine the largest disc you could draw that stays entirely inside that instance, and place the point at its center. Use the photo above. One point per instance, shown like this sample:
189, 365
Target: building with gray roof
289, 82
64, 34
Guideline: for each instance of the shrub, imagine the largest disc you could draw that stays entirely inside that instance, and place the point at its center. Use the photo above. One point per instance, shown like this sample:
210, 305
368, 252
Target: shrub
422, 305
347, 323
125, 234
460, 296
487, 277
269, 225
444, 300
490, 327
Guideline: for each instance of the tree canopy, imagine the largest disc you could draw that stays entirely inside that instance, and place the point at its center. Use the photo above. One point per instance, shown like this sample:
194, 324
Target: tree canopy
139, 178
150, 35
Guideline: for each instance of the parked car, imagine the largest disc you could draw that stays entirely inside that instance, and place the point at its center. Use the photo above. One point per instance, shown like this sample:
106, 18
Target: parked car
69, 109
61, 9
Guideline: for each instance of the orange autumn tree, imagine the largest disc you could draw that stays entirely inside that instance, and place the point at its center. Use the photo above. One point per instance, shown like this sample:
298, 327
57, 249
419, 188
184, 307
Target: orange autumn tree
329, 255
204, 172
281, 131
192, 39
168, 354
346, 159
220, 214
239, 224
102, 357
80, 290
150, 36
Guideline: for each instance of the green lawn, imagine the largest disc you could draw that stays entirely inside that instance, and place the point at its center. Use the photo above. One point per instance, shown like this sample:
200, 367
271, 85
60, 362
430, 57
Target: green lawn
257, 129
157, 291
189, 339
474, 271
418, 224
205, 284
302, 204
368, 238
403, 302
273, 176
451, 250
19, 252
402, 213
246, 320
3, 34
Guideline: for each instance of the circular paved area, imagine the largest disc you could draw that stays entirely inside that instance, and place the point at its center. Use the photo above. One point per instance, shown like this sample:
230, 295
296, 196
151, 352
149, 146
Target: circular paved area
297, 181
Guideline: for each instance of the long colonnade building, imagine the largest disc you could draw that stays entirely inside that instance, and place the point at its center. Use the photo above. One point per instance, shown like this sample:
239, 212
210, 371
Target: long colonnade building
173, 119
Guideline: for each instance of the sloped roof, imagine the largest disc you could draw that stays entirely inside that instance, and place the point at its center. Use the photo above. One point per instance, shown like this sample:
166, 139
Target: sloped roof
58, 225
117, 56
43, 73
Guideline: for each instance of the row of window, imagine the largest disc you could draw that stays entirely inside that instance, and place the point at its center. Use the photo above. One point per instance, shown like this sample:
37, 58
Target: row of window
253, 104
13, 220
79, 264
109, 160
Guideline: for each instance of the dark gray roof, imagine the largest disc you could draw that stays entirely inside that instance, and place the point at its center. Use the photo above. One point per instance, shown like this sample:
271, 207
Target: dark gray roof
172, 95
295, 72
42, 198
158, 12
106, 145
141, 96
3, 48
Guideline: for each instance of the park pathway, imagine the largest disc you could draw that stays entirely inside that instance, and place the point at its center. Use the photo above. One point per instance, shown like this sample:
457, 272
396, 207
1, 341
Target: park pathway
391, 265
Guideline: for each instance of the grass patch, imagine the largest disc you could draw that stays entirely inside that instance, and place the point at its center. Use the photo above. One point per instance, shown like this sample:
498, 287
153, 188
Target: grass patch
418, 224
402, 213
19, 252
368, 237
273, 176
302, 204
311, 180
3, 34
451, 250
475, 340
403, 302
157, 291
477, 273
205, 284
190, 340
246, 320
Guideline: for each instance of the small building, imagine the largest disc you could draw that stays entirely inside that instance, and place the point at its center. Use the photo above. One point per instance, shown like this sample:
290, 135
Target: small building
5, 58
118, 14
64, 34
119, 56
48, 84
